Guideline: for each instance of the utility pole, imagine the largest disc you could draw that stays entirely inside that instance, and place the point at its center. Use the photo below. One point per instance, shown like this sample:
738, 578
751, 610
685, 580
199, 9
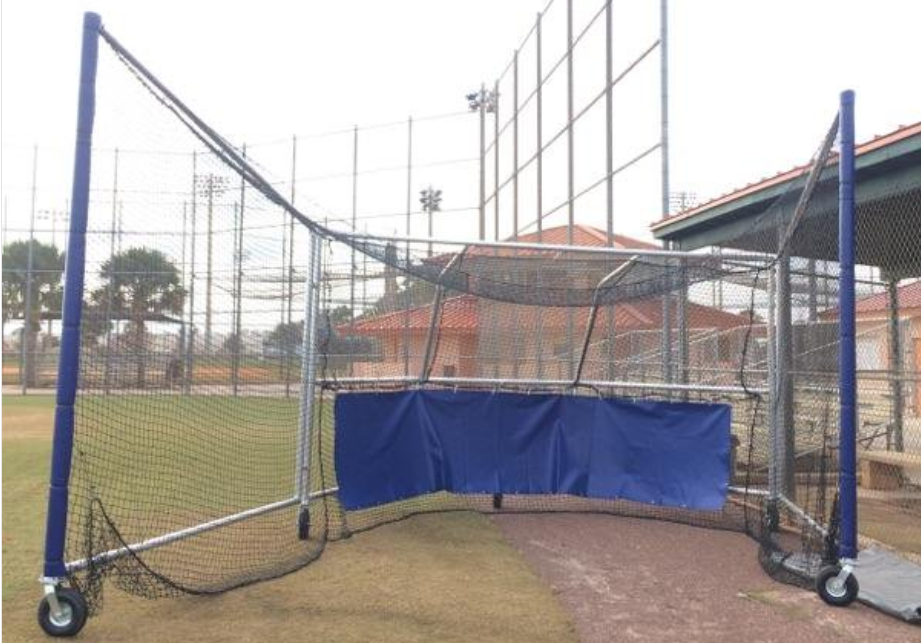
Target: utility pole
111, 285
539, 164
289, 277
515, 108
667, 371
188, 370
183, 330
407, 303
495, 143
570, 139
6, 216
27, 365
52, 217
354, 231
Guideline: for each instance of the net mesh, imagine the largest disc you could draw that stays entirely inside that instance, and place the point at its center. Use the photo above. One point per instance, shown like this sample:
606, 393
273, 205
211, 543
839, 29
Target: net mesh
192, 379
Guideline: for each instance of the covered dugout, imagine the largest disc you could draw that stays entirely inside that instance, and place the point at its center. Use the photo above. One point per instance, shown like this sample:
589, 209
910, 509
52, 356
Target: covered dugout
888, 328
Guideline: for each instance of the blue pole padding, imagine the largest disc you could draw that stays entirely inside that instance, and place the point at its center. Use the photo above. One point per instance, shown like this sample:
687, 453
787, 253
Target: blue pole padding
69, 361
847, 471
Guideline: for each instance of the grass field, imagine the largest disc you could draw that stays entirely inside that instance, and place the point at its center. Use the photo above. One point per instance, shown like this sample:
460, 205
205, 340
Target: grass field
442, 577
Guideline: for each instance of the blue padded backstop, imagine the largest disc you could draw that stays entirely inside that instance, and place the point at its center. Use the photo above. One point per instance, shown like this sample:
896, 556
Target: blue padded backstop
392, 446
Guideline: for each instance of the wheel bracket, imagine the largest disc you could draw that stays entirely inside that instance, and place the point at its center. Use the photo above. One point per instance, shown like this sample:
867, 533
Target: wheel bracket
50, 587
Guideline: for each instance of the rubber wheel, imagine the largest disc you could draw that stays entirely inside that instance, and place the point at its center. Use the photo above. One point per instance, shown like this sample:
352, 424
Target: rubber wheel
75, 612
833, 592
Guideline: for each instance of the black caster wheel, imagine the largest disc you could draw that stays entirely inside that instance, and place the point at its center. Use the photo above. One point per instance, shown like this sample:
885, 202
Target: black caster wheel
833, 591
72, 617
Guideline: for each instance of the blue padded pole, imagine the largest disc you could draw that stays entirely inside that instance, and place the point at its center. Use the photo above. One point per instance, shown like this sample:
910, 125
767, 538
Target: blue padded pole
847, 473
68, 365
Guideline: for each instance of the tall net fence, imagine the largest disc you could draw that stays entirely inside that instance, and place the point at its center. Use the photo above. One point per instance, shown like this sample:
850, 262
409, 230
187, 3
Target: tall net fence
220, 324
889, 434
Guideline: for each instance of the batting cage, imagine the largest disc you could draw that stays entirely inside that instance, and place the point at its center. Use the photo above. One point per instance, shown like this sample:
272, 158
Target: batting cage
240, 384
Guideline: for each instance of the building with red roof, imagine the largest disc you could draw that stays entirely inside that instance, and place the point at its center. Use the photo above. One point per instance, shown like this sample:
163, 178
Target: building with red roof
480, 337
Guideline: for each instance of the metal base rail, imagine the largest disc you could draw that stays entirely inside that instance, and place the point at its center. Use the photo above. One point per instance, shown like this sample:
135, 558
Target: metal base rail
802, 515
188, 532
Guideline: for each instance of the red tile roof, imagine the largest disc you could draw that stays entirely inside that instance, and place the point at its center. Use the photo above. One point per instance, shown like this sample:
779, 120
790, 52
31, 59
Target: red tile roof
463, 314
909, 297
899, 134
584, 235
458, 314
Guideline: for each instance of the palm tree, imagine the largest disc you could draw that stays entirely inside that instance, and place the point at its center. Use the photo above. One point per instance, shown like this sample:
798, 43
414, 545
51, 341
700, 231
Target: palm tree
140, 284
47, 270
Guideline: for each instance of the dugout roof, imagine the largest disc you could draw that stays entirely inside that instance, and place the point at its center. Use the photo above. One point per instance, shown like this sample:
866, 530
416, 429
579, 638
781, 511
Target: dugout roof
888, 215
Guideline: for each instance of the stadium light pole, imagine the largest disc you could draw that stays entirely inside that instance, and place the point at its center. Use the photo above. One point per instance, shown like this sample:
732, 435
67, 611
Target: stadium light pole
431, 202
482, 101
209, 185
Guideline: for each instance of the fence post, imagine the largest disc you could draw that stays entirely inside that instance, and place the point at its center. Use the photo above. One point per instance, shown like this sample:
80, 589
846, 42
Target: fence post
68, 365
895, 360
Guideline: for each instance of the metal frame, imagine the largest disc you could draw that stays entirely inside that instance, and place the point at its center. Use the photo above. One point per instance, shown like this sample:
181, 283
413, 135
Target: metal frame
780, 344
539, 384
783, 432
308, 368
757, 258
773, 423
196, 530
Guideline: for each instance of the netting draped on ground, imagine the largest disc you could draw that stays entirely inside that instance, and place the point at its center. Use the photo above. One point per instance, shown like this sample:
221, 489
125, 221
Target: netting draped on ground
199, 280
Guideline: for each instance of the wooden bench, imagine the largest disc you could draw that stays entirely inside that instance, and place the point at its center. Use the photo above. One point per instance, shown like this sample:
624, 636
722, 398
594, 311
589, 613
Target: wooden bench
884, 470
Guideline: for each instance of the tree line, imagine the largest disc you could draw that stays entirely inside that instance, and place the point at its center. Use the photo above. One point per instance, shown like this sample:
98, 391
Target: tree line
135, 285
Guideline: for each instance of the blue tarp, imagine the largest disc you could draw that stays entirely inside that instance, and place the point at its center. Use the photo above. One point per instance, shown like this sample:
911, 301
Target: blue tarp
391, 446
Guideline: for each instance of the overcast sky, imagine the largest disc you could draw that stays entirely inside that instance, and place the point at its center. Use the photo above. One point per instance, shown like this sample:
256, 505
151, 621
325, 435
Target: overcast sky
753, 84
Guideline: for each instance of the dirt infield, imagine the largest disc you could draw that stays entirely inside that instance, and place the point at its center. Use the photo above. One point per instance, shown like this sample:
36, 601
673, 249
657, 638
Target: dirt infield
626, 579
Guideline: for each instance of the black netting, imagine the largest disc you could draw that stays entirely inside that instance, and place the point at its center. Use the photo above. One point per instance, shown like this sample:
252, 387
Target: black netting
196, 378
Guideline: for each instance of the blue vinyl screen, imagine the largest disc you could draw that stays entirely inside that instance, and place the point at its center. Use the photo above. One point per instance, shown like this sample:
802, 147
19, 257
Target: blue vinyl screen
396, 445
